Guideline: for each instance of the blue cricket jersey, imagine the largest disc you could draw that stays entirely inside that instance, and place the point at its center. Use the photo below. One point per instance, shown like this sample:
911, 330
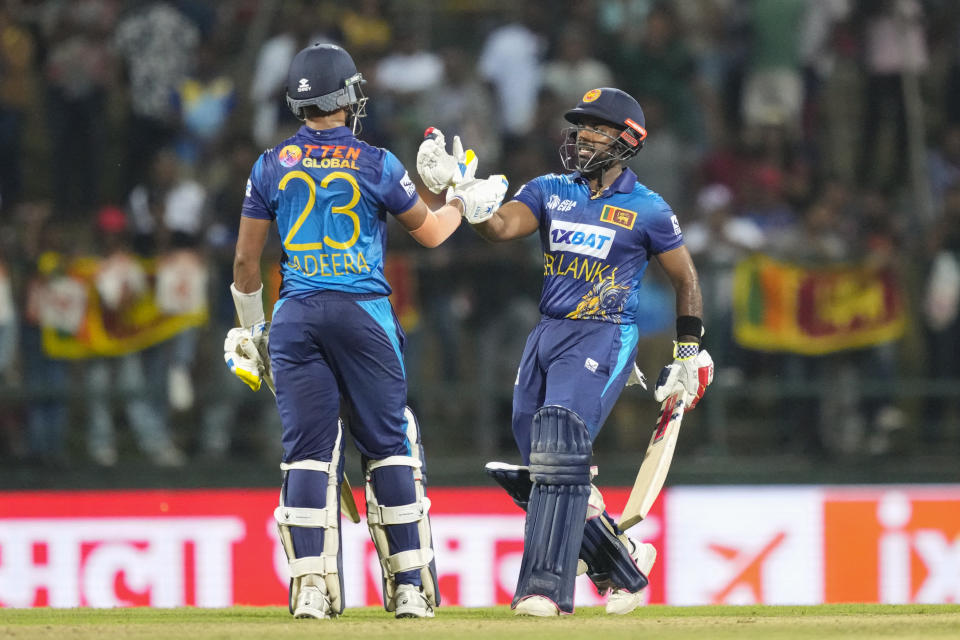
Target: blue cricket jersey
329, 193
595, 250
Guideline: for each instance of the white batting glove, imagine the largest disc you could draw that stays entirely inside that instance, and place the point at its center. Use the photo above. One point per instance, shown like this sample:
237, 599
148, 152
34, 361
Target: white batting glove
439, 169
691, 372
480, 198
241, 355
260, 334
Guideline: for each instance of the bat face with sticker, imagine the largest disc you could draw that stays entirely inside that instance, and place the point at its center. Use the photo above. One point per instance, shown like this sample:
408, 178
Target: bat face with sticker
656, 462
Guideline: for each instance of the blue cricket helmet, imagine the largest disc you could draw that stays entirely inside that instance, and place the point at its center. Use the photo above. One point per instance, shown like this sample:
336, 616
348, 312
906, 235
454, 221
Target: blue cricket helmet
616, 107
325, 76
611, 106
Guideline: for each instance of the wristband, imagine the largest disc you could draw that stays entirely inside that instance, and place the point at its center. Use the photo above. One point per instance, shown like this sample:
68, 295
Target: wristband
685, 350
689, 326
249, 306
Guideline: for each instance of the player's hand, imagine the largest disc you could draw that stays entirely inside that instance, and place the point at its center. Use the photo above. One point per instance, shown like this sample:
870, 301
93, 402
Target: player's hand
691, 372
439, 169
242, 356
480, 198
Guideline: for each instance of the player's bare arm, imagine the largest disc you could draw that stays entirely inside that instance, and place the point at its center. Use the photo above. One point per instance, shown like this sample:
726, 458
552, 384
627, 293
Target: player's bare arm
512, 220
692, 368
428, 227
245, 346
678, 265
246, 261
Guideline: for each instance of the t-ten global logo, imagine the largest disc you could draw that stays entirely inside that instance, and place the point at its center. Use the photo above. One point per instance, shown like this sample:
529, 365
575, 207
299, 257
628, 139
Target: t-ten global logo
290, 155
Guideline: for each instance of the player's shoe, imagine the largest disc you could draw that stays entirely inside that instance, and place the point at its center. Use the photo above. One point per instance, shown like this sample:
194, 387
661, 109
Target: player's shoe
538, 606
312, 602
621, 601
410, 602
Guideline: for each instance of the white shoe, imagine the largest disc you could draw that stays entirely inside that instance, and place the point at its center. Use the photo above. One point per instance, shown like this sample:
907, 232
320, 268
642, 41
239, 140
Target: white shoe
621, 601
312, 602
539, 606
409, 602
644, 554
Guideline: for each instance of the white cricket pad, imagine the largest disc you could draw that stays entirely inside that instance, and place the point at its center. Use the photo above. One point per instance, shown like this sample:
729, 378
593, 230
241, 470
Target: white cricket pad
379, 517
321, 570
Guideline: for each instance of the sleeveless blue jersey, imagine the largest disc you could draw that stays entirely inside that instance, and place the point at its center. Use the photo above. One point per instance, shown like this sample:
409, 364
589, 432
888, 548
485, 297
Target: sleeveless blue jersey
595, 250
329, 193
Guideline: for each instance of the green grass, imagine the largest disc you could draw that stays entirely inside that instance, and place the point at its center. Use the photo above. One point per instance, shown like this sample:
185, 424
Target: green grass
659, 622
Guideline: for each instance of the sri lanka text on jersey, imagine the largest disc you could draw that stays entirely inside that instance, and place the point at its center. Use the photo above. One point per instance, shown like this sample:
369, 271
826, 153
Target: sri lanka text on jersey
579, 267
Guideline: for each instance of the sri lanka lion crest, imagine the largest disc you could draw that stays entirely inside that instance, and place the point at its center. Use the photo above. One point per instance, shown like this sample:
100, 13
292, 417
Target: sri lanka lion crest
604, 300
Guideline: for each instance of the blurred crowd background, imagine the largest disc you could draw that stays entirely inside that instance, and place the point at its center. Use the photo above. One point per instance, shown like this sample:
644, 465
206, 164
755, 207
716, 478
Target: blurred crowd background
812, 132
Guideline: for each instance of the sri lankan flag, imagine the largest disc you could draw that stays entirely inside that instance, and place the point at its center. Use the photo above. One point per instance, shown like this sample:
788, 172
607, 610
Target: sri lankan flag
812, 311
77, 322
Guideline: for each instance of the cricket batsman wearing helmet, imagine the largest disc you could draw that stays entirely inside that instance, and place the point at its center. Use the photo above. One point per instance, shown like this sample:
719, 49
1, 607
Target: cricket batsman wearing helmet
598, 227
334, 334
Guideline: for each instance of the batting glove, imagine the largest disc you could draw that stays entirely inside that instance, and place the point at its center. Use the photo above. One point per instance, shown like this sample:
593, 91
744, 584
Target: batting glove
241, 355
439, 169
480, 198
260, 333
691, 372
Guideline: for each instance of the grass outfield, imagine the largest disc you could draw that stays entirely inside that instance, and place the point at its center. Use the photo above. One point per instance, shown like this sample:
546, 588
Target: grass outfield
659, 622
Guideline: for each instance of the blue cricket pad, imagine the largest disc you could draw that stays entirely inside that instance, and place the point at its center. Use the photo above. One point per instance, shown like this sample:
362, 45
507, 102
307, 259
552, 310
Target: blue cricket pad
514, 479
303, 488
393, 486
610, 565
560, 469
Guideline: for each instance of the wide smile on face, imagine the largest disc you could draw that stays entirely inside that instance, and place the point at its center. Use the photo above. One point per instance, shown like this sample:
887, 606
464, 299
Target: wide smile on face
594, 136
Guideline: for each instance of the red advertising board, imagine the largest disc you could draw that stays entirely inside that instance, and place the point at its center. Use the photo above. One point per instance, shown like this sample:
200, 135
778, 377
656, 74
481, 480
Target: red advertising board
219, 547
722, 545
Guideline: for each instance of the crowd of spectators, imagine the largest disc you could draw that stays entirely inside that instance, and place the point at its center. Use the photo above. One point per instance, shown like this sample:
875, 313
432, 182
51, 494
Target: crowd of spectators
814, 131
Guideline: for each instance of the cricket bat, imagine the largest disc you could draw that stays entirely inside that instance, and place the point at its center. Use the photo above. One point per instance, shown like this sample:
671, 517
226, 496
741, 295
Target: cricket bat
656, 462
348, 506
